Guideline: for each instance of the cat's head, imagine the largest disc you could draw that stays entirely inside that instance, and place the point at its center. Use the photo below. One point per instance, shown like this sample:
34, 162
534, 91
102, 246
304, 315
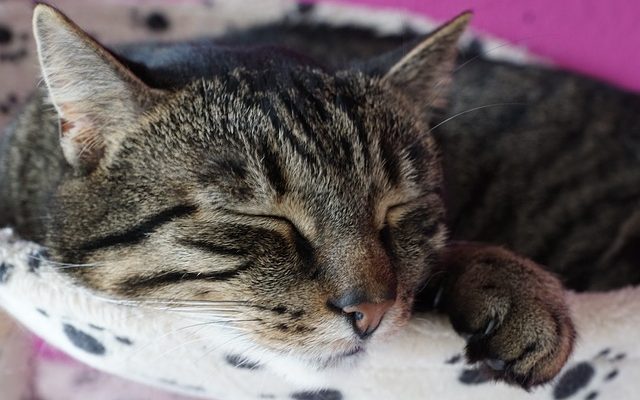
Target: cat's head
297, 206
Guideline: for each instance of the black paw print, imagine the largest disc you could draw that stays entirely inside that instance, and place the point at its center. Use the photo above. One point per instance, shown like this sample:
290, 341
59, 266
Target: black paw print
583, 380
154, 21
586, 379
9, 103
5, 35
12, 48
305, 7
471, 375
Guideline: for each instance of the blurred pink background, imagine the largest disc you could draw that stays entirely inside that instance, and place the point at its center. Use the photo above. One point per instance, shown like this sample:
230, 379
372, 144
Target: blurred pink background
597, 37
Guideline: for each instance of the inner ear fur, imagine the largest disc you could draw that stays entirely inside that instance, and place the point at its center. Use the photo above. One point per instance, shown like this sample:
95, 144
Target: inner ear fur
97, 98
423, 75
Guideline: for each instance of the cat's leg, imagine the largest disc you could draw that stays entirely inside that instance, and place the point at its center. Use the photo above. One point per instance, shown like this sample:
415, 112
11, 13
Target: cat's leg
512, 311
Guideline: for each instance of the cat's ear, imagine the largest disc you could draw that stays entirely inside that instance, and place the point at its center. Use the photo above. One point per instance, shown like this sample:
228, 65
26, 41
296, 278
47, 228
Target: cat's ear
423, 74
97, 98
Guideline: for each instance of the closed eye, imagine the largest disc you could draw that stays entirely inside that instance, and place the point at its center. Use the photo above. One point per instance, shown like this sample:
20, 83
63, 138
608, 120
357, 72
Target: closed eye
303, 246
392, 216
265, 216
396, 212
215, 248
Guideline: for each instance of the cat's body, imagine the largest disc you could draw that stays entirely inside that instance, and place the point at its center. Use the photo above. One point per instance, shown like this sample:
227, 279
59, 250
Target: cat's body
544, 162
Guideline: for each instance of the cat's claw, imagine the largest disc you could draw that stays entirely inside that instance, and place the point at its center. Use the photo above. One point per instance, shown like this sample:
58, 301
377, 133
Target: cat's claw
438, 298
496, 365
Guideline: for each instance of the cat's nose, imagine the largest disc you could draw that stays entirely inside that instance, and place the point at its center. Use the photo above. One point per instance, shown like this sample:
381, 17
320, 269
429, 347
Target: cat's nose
366, 317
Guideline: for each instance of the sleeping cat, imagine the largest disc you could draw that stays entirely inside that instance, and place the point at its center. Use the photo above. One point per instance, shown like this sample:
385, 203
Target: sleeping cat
309, 194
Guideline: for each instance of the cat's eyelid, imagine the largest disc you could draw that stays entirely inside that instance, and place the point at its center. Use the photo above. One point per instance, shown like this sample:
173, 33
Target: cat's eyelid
398, 207
401, 205
248, 213
266, 216
294, 212
395, 208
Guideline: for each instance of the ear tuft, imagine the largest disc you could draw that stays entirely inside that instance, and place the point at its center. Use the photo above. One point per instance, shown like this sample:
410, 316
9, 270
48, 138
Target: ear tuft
424, 74
96, 97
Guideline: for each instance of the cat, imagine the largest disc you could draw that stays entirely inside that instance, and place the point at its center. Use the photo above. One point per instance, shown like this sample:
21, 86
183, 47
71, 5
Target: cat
311, 196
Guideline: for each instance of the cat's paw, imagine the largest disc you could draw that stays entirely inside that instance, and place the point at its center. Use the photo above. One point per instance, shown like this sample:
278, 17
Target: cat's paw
512, 312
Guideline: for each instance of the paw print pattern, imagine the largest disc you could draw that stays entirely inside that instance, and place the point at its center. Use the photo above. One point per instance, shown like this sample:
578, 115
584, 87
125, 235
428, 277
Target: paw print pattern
472, 375
154, 21
584, 380
587, 379
5, 35
9, 103
12, 47
305, 7
93, 340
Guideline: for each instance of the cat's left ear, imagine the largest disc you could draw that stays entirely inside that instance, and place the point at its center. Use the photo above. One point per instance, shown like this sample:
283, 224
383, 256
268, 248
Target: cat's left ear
96, 96
423, 75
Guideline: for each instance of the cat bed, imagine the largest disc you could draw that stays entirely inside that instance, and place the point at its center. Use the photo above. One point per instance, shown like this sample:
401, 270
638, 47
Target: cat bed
176, 349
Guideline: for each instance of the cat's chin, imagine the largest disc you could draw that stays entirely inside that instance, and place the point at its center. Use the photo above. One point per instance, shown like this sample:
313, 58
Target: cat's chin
322, 369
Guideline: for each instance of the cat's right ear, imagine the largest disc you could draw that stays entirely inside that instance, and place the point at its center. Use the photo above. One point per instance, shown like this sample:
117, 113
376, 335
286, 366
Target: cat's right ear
97, 98
421, 71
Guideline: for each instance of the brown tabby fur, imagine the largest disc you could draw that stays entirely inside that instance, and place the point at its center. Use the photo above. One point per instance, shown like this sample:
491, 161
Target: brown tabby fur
265, 180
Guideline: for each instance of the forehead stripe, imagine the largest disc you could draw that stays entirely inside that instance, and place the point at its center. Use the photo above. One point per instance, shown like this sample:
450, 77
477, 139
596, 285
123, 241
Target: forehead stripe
273, 170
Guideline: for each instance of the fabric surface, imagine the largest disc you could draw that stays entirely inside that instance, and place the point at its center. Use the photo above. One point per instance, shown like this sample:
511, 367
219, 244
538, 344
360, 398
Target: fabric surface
116, 341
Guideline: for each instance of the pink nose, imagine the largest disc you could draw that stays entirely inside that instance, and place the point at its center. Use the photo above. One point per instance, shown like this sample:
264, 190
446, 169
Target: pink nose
366, 317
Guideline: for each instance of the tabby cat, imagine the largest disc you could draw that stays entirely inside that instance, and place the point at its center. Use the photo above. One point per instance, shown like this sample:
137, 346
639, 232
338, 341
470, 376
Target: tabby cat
312, 194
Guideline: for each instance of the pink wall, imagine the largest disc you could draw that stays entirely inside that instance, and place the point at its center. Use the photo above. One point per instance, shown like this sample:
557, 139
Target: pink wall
597, 37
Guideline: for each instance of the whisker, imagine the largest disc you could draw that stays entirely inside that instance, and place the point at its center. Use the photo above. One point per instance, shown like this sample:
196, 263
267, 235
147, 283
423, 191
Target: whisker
188, 302
55, 265
198, 340
63, 266
517, 42
216, 322
206, 353
474, 109
191, 309
429, 280
188, 308
204, 314
477, 56
198, 325
171, 302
